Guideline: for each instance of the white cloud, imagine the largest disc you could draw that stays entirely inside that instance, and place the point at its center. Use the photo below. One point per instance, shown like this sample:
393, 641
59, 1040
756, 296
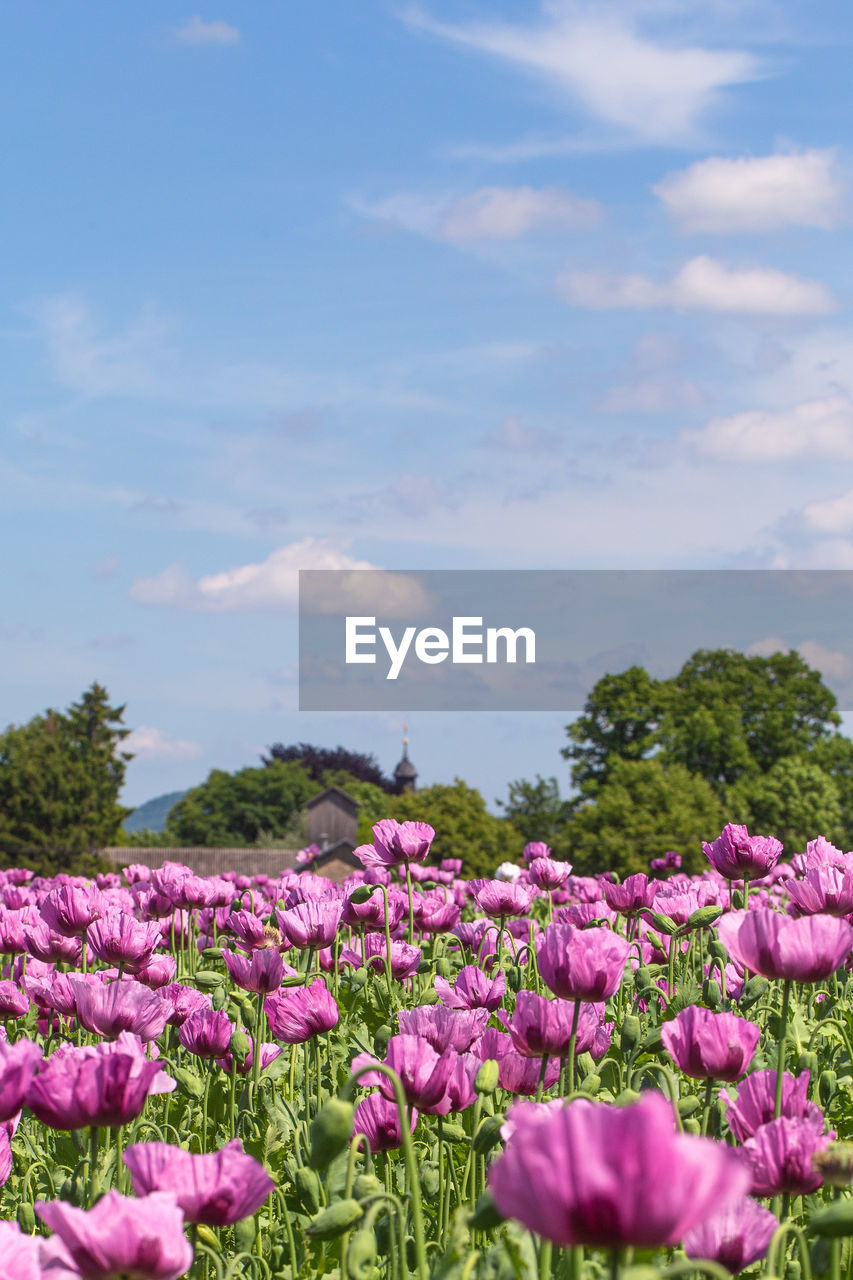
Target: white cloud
195, 31
653, 397
96, 365
152, 744
655, 91
758, 193
702, 284
490, 213
829, 662
830, 515
818, 429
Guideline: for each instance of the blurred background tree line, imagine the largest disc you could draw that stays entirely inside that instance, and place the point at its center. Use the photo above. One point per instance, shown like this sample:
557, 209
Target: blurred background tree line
654, 765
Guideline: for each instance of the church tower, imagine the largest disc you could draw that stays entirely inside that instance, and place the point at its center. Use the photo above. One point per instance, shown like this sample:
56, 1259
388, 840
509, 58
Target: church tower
405, 774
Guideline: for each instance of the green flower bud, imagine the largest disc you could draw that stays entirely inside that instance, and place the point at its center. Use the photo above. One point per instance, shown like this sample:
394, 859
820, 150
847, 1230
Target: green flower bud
244, 1235
366, 1184
211, 953
627, 1097
711, 995
360, 895
26, 1218
430, 1178
357, 978
330, 1132
362, 1256
488, 1135
188, 1083
208, 979
219, 999
240, 1046
642, 978
629, 1037
663, 924
453, 1132
688, 1106
753, 991
209, 1237
704, 916
486, 1214
380, 1040
307, 1189
692, 1125
826, 1085
808, 1061
444, 967
717, 951
335, 1220
486, 1079
836, 1219
591, 1085
835, 1165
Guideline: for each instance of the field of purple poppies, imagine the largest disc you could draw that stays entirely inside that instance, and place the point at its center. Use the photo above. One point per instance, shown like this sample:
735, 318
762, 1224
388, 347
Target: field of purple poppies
411, 1074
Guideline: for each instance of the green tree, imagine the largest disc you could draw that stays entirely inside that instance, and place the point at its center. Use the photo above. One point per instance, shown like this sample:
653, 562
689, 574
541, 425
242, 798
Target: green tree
620, 721
60, 778
795, 801
251, 806
538, 812
640, 812
464, 828
320, 761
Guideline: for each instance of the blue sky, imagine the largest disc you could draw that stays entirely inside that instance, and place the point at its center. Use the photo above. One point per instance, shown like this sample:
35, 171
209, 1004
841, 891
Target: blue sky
486, 285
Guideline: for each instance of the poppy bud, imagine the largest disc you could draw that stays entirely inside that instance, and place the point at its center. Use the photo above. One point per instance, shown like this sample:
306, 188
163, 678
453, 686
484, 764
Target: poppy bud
307, 1189
335, 1220
240, 1047
486, 1079
630, 1036
362, 1255
330, 1132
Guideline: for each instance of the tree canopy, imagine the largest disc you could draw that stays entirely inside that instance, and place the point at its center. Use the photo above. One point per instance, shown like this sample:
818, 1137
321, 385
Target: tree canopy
320, 761
60, 778
256, 805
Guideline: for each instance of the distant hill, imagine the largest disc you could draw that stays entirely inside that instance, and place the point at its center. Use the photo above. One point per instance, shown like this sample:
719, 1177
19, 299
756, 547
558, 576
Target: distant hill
152, 815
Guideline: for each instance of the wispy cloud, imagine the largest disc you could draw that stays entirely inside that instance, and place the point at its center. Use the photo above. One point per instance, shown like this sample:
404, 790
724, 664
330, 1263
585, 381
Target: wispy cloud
819, 429
195, 31
702, 284
760, 193
272, 583
655, 91
489, 213
95, 365
153, 744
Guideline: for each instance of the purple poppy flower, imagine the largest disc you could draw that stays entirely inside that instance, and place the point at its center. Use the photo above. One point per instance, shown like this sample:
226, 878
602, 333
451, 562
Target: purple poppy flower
633, 895
371, 914
53, 948
582, 914
536, 849
77, 1088
444, 1028
247, 927
542, 1028
710, 1046
501, 898
825, 889
396, 843
669, 862
70, 909
405, 958
217, 1189
436, 915
299, 1014
19, 1253
581, 964
516, 1073
804, 950
378, 1118
473, 989
313, 923
182, 1001
548, 874
117, 939
207, 1033
755, 1101
269, 1053
157, 973
122, 1237
593, 1174
735, 1237
18, 1065
779, 1156
14, 1003
424, 1074
736, 855
108, 1008
261, 971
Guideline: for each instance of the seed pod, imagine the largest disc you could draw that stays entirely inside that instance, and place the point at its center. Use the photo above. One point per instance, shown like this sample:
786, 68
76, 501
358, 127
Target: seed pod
704, 916
26, 1218
330, 1132
240, 1046
488, 1135
486, 1079
629, 1038
244, 1235
366, 1184
207, 979
335, 1220
486, 1214
826, 1084
307, 1189
188, 1083
712, 996
430, 1178
362, 1255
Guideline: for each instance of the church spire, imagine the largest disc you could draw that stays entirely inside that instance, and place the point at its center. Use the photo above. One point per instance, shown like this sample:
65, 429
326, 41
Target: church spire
405, 774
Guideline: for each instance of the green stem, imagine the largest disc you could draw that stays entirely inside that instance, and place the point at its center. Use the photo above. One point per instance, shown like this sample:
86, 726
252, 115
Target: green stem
573, 1041
780, 1061
411, 905
542, 1070
706, 1115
